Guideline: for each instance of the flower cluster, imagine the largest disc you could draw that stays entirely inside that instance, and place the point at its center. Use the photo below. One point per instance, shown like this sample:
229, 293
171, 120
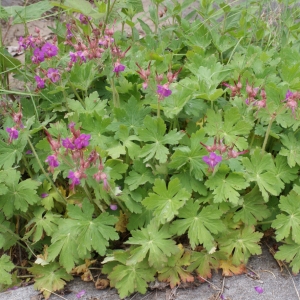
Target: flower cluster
236, 88
13, 132
94, 46
291, 101
48, 50
75, 147
218, 146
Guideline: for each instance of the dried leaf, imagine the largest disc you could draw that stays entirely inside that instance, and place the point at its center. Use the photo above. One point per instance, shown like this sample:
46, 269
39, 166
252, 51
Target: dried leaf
122, 223
101, 284
229, 269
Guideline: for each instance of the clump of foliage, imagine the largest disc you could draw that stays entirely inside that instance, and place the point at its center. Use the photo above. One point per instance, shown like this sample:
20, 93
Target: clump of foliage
166, 152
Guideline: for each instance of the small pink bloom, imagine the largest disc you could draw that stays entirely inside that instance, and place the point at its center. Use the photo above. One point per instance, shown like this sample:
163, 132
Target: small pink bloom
259, 289
80, 294
113, 206
53, 75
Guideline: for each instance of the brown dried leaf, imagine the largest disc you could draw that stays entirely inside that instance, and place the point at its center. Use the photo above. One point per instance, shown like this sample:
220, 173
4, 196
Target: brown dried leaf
87, 276
101, 284
82, 268
229, 269
122, 223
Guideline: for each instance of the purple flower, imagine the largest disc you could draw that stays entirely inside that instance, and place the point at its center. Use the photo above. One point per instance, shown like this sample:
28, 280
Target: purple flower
13, 133
80, 294
118, 67
68, 144
38, 56
259, 289
74, 176
53, 74
288, 95
84, 19
69, 32
44, 195
82, 141
163, 91
52, 161
113, 206
50, 50
212, 160
40, 83
28, 152
73, 56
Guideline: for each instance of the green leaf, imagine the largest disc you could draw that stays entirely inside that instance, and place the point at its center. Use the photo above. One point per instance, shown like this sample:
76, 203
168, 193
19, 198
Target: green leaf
233, 129
174, 104
261, 169
253, 209
199, 225
93, 234
64, 244
131, 114
290, 252
166, 202
291, 150
175, 272
284, 172
42, 222
92, 104
241, 243
290, 222
49, 278
12, 153
28, 13
82, 6
18, 195
203, 262
124, 144
191, 157
139, 175
82, 76
130, 278
154, 241
154, 133
225, 187
5, 268
7, 239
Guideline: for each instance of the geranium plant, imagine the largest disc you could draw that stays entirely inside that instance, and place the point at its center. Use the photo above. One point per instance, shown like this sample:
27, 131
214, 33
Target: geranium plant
165, 152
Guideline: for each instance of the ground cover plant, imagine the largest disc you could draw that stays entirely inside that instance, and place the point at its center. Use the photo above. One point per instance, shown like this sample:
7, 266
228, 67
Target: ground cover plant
167, 151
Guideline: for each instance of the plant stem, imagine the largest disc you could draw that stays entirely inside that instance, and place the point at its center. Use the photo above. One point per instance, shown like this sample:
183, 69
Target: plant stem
267, 134
27, 166
158, 108
116, 99
265, 222
106, 17
76, 94
44, 172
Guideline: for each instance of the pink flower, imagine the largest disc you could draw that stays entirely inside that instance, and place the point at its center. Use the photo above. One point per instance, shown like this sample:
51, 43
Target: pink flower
40, 83
259, 289
163, 90
212, 160
113, 206
84, 19
44, 195
50, 50
13, 133
82, 141
53, 75
80, 294
38, 56
52, 161
68, 144
118, 67
75, 178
